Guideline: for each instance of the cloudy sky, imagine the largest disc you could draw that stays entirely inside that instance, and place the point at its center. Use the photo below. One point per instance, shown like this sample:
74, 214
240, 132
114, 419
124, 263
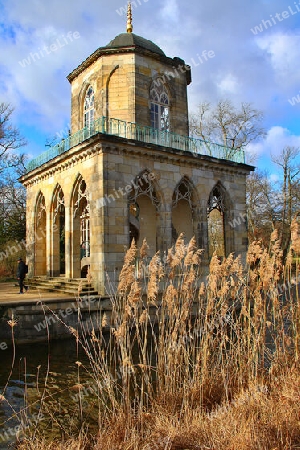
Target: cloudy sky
256, 47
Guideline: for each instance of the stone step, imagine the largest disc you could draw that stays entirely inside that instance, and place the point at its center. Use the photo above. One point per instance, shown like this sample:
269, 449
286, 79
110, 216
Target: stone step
68, 280
62, 284
66, 290
75, 285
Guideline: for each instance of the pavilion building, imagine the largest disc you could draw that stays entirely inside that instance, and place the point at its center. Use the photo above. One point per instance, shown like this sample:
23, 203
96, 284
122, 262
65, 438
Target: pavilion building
129, 169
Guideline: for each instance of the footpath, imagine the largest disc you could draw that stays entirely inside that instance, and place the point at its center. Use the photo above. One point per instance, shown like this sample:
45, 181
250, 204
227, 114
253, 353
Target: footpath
9, 293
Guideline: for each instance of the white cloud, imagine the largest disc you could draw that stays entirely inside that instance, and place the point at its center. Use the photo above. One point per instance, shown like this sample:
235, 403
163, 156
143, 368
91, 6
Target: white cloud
228, 85
283, 51
274, 177
277, 138
170, 11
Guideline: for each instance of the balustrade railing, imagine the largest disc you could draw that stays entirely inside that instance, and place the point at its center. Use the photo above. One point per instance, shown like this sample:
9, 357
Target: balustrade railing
130, 130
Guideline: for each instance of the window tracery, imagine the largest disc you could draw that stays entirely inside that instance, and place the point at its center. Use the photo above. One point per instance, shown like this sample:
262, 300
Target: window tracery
216, 201
159, 99
89, 104
40, 210
82, 206
58, 203
183, 191
143, 187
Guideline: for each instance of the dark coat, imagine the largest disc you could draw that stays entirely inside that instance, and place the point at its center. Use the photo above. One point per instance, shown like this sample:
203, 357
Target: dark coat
21, 270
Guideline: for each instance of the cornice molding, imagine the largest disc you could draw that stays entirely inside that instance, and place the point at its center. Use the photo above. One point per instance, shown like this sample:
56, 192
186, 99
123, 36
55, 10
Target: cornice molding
114, 145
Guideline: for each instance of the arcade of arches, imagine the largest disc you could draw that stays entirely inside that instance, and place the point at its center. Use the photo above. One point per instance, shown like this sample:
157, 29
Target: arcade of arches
85, 207
76, 226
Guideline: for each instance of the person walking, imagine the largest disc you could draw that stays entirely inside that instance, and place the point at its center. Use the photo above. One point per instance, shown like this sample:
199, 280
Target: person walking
21, 273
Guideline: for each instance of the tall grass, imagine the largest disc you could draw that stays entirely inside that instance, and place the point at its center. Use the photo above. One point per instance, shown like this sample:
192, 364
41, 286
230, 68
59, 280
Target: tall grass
192, 362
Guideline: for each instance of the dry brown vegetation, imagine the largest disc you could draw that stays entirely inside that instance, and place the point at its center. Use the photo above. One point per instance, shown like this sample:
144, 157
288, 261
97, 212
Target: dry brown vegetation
196, 365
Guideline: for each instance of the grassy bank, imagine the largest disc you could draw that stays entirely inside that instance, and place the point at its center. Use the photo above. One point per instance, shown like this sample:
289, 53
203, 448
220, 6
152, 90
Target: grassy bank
218, 370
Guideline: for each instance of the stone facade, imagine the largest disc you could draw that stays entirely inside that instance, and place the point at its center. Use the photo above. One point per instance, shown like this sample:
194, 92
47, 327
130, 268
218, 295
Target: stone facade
109, 189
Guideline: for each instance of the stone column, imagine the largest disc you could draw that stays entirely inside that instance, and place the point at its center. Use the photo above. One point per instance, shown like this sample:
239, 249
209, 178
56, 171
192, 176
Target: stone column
68, 246
229, 232
49, 242
97, 267
165, 232
30, 233
202, 231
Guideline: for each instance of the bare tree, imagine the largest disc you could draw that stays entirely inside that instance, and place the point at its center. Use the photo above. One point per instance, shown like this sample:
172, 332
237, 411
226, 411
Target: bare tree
274, 205
10, 141
226, 125
287, 160
264, 206
13, 206
12, 166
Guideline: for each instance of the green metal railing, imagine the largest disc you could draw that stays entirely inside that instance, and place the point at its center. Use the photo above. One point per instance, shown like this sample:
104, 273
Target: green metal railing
129, 130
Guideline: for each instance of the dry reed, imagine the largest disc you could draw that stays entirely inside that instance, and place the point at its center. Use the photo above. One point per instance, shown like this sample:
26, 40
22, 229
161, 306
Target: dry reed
193, 363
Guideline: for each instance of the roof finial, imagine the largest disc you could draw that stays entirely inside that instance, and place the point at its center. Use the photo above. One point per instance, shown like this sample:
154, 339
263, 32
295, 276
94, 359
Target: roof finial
129, 18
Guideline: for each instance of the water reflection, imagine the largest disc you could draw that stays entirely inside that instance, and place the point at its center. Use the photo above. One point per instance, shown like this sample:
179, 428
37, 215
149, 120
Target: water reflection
46, 374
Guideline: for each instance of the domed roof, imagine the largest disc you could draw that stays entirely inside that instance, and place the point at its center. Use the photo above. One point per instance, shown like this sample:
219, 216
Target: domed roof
131, 39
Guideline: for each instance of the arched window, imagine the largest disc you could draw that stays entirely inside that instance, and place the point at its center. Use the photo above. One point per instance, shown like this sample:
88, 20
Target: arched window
58, 232
143, 207
89, 107
215, 217
159, 99
40, 236
182, 210
85, 232
81, 226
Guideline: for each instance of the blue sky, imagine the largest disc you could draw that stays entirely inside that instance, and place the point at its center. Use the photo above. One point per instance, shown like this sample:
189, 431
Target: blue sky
256, 48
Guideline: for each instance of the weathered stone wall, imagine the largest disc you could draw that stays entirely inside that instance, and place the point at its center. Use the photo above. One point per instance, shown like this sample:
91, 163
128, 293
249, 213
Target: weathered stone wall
37, 322
174, 79
168, 168
122, 83
64, 172
112, 78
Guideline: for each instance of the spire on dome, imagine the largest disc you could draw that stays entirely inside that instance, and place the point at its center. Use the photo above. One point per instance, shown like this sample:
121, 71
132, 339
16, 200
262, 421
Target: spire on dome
129, 18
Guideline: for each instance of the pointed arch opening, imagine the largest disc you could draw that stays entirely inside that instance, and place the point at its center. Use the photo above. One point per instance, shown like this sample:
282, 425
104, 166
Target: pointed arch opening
159, 106
40, 235
80, 236
143, 211
89, 107
216, 210
58, 232
183, 210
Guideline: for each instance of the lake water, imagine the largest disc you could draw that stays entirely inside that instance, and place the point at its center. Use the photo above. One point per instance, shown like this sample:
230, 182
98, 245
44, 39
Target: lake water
27, 382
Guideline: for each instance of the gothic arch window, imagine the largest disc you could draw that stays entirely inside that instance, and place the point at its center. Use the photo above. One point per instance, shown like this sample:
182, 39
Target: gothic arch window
81, 197
143, 206
58, 232
143, 186
159, 101
89, 105
182, 210
40, 210
82, 211
40, 236
58, 204
215, 217
85, 231
183, 191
